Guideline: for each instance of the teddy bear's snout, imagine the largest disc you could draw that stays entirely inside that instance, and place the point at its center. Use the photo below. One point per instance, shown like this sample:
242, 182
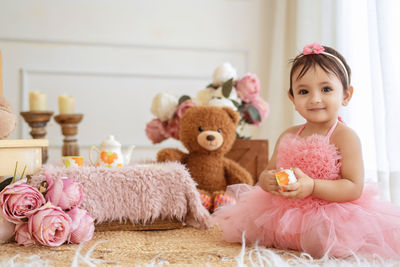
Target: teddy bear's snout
210, 140
210, 137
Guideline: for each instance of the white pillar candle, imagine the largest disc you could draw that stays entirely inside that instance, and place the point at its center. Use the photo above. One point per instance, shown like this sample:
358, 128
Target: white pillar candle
37, 101
66, 104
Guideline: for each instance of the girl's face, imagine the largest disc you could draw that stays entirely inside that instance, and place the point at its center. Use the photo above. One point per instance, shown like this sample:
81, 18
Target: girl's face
318, 95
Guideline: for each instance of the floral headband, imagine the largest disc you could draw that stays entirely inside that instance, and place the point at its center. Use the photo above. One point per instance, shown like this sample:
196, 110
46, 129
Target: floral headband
316, 48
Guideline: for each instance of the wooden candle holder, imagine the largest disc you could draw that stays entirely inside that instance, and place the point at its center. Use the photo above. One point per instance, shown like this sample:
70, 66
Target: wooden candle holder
69, 128
38, 120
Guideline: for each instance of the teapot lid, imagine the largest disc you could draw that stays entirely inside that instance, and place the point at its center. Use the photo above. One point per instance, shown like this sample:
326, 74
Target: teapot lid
110, 142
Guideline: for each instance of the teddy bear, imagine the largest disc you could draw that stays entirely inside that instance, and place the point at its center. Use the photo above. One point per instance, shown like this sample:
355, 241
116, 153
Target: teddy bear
8, 120
208, 133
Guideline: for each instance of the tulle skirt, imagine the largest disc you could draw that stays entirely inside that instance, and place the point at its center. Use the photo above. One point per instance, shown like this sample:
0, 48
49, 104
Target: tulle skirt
364, 226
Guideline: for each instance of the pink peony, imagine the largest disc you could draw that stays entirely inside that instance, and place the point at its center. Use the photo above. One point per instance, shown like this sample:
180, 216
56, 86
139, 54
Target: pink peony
64, 193
248, 87
156, 131
183, 107
23, 236
82, 226
263, 110
49, 225
173, 127
19, 198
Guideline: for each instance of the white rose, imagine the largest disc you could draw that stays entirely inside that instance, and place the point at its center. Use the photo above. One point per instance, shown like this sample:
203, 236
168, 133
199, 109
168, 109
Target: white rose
204, 96
164, 106
223, 73
222, 102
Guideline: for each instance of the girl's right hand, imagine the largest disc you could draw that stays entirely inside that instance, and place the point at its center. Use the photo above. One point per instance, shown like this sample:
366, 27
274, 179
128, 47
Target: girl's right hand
267, 182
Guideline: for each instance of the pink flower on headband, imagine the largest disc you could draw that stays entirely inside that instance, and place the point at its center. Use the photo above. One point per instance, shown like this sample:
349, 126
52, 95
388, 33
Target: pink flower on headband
314, 48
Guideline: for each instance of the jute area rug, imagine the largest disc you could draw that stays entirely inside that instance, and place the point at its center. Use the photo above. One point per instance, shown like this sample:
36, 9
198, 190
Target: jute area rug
178, 247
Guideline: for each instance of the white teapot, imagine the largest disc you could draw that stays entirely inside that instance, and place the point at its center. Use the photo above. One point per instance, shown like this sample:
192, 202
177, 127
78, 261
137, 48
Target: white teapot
110, 154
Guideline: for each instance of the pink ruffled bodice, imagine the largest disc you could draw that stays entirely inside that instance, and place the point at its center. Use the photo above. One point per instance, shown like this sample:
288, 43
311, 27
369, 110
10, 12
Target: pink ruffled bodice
314, 155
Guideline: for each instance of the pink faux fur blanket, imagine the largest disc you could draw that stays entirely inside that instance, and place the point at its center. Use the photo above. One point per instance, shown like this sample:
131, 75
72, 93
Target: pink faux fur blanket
140, 193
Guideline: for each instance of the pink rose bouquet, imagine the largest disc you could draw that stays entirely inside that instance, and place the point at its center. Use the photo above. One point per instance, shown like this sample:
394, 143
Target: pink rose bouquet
36, 222
19, 198
49, 225
64, 193
82, 226
7, 230
226, 89
23, 235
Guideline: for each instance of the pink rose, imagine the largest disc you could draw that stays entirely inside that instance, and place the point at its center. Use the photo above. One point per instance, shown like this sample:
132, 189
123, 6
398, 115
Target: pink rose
82, 226
183, 107
156, 131
64, 193
248, 87
19, 198
49, 225
173, 124
262, 108
173, 127
6, 230
23, 236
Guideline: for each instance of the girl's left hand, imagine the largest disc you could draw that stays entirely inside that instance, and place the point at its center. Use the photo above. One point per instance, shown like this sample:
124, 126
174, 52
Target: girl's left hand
300, 189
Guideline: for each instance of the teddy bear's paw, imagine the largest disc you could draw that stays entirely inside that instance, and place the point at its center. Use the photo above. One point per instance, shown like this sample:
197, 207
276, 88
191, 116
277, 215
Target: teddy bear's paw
206, 201
223, 200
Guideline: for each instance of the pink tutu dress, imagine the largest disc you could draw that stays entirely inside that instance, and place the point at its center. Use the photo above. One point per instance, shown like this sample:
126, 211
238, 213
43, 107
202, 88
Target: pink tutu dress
367, 225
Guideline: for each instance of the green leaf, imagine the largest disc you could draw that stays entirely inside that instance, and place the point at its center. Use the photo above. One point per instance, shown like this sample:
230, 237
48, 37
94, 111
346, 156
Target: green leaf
254, 114
5, 183
183, 99
235, 103
238, 136
227, 88
22, 175
211, 85
15, 172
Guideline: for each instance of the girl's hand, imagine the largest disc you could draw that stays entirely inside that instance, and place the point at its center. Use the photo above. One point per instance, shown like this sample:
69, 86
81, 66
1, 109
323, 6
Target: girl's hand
267, 181
300, 189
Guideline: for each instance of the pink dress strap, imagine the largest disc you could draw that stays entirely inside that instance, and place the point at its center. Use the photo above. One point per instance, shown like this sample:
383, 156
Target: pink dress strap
301, 129
328, 135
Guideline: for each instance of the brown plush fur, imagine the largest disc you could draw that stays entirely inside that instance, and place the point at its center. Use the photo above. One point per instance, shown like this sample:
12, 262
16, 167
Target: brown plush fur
8, 120
208, 133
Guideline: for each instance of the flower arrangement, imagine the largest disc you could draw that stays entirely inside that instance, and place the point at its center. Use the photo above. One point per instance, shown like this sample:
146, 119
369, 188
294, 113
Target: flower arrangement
48, 216
226, 89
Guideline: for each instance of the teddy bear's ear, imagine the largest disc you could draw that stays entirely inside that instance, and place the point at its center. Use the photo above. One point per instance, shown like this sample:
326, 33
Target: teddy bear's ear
233, 114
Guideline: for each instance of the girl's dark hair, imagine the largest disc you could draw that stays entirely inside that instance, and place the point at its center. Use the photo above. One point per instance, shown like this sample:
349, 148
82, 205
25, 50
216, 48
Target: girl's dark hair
327, 63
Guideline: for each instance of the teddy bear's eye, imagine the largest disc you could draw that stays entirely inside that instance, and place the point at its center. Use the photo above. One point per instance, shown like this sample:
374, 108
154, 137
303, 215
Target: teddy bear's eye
219, 130
200, 129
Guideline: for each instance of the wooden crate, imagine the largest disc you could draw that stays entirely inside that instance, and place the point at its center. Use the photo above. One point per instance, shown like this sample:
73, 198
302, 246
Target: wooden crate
159, 224
27, 152
250, 154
